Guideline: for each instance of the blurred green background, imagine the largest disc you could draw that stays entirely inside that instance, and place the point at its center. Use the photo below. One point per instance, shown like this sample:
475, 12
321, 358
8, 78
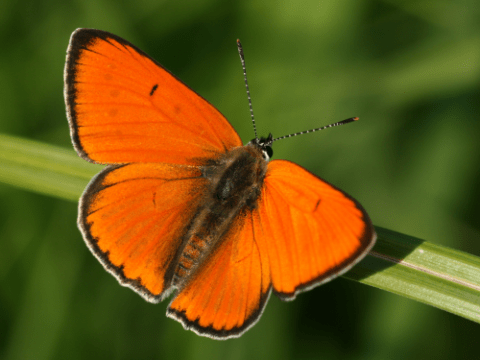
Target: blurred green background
409, 69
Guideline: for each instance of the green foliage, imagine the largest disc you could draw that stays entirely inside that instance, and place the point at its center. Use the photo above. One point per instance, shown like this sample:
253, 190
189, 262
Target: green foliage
410, 70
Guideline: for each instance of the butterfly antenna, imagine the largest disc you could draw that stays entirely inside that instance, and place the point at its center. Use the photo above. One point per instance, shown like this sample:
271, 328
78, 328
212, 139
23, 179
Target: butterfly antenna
346, 121
242, 59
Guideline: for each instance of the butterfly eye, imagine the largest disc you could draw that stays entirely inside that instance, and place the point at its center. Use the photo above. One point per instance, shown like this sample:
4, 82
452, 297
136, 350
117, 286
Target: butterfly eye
267, 153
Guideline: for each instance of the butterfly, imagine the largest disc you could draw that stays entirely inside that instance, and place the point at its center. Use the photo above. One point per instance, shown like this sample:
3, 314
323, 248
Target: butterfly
184, 207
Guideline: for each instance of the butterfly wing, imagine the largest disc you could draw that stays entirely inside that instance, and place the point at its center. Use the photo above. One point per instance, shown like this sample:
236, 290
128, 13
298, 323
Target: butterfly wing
133, 217
312, 231
124, 107
226, 296
302, 233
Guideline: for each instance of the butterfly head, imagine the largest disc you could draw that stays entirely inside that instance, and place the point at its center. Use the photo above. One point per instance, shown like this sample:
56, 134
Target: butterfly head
265, 146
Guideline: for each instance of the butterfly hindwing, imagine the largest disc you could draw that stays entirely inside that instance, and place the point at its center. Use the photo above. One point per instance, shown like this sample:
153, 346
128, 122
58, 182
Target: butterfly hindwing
312, 231
124, 107
132, 218
226, 296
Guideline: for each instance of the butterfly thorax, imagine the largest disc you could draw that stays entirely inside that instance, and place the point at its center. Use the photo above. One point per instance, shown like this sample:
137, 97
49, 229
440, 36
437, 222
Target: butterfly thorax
235, 181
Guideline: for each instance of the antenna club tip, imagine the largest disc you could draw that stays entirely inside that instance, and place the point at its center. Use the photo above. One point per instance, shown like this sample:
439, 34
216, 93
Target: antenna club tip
355, 118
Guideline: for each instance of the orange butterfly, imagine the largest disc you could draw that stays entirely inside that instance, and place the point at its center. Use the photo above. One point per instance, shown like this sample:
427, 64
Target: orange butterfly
183, 206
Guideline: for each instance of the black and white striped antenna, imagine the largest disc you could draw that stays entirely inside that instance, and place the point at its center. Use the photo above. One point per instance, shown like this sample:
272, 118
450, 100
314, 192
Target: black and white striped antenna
346, 121
242, 59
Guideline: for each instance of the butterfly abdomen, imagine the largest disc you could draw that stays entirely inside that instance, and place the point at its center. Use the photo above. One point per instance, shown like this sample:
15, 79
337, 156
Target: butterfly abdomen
235, 180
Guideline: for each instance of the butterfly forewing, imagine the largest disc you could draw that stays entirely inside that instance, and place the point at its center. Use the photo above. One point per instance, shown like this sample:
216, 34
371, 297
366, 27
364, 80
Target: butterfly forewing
124, 107
312, 231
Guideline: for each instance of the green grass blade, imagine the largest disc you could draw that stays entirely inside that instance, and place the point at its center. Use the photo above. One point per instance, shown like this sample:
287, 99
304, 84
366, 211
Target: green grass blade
432, 274
445, 278
44, 168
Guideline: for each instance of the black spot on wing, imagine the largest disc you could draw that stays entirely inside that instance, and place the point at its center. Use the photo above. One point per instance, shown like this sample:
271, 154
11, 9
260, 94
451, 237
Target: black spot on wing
153, 89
